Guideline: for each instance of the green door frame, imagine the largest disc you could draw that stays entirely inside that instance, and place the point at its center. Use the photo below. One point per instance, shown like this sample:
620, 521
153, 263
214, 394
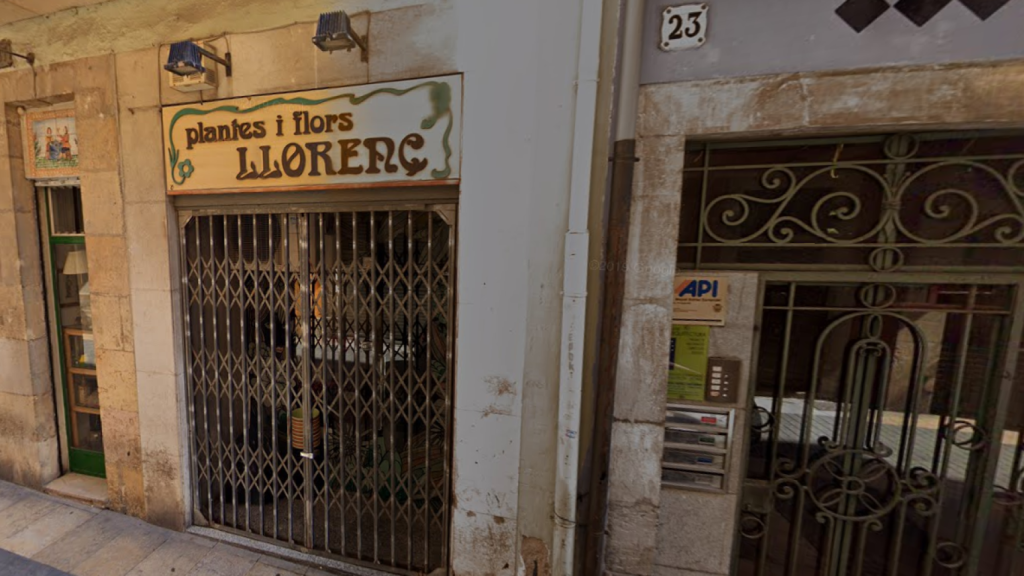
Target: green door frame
79, 460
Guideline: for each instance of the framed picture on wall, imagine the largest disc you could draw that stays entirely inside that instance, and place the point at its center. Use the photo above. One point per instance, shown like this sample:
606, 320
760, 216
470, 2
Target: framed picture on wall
51, 144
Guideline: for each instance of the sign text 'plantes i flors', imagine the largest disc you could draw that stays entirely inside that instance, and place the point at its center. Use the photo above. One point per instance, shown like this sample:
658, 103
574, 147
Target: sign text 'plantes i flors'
394, 134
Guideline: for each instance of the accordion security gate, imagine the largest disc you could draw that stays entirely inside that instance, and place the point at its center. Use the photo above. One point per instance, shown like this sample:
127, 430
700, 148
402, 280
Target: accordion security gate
887, 427
319, 351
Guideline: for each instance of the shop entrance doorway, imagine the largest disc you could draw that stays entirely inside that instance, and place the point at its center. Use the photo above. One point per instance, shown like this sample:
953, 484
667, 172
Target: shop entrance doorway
319, 350
72, 326
887, 402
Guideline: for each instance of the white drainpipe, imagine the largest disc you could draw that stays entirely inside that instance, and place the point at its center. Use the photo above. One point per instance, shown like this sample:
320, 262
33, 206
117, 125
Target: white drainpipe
574, 288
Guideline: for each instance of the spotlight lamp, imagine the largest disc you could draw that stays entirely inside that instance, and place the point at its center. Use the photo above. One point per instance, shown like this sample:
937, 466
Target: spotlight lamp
334, 32
7, 55
186, 59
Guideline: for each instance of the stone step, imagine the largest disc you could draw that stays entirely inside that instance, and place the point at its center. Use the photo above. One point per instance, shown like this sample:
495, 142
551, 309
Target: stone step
79, 487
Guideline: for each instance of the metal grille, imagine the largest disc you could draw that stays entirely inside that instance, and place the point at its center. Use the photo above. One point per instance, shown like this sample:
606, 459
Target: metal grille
1005, 536
925, 202
319, 351
878, 427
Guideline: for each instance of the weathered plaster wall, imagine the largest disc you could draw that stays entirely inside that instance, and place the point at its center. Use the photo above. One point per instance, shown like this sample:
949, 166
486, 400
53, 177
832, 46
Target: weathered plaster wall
517, 140
744, 39
952, 95
129, 25
666, 532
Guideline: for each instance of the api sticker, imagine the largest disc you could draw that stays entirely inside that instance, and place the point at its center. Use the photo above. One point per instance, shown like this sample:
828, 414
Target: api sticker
700, 300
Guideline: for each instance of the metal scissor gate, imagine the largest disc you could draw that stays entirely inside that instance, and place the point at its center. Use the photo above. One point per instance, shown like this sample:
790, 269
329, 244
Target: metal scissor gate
319, 348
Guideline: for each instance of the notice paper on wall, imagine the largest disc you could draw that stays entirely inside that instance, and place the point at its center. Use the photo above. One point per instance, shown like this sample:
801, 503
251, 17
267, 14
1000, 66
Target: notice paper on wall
688, 363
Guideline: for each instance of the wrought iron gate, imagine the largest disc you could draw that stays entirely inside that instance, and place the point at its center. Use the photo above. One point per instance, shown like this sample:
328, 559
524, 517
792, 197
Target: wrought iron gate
878, 436
887, 417
319, 351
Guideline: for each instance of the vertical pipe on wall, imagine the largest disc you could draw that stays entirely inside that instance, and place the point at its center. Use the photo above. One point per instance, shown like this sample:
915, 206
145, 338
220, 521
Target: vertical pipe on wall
616, 245
629, 69
619, 208
574, 288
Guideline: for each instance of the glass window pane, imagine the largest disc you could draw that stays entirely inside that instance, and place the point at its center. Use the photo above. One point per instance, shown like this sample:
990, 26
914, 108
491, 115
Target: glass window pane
86, 391
72, 284
66, 211
90, 432
81, 351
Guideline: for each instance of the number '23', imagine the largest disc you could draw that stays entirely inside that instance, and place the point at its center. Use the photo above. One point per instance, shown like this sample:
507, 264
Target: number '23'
692, 26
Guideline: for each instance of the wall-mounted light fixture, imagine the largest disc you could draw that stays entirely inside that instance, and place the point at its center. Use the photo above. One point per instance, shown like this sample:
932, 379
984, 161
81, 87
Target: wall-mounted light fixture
7, 55
186, 59
334, 32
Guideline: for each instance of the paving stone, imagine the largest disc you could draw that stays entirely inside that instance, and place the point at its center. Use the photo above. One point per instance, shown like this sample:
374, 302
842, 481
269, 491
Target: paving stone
199, 540
178, 555
80, 544
24, 513
9, 497
14, 565
65, 538
287, 565
45, 531
123, 553
223, 562
230, 549
261, 569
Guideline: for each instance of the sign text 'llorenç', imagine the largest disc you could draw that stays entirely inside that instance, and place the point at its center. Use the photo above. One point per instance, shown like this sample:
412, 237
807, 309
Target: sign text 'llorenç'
377, 135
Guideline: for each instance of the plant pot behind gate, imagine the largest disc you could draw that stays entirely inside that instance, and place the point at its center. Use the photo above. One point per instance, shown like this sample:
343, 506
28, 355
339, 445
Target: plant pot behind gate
297, 430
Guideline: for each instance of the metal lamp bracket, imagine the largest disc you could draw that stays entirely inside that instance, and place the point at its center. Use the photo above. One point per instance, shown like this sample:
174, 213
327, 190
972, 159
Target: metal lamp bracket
7, 55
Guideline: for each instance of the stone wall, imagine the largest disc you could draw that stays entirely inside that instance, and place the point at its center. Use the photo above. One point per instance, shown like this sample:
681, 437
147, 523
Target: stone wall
28, 433
90, 83
131, 235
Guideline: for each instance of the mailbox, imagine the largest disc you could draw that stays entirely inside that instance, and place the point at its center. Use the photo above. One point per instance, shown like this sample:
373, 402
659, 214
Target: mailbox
698, 444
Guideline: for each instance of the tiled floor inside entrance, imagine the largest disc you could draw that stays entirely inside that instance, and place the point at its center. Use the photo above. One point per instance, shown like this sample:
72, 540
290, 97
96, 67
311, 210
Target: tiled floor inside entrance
41, 535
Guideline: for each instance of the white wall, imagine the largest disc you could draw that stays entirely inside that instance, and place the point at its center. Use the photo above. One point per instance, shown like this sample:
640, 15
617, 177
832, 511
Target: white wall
519, 59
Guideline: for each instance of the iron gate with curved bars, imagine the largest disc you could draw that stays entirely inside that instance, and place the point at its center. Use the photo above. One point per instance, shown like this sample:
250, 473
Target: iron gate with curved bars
887, 414
319, 354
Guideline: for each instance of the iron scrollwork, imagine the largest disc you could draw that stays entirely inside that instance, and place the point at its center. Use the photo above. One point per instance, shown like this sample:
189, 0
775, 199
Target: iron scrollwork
889, 205
752, 527
857, 486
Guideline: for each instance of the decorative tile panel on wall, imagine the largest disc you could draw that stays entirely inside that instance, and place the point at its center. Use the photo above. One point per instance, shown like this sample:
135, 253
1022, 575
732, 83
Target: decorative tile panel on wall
860, 14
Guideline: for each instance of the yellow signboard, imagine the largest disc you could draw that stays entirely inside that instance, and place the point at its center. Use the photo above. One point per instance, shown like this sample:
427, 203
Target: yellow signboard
700, 300
395, 134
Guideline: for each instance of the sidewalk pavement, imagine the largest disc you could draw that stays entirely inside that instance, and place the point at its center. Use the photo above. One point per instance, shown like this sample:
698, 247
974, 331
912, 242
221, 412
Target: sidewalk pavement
55, 537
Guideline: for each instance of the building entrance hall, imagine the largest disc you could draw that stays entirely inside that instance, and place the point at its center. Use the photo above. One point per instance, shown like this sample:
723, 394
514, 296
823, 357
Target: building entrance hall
886, 422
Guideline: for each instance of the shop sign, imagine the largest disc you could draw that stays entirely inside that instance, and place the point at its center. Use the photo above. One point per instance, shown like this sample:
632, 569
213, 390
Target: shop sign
700, 300
396, 134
